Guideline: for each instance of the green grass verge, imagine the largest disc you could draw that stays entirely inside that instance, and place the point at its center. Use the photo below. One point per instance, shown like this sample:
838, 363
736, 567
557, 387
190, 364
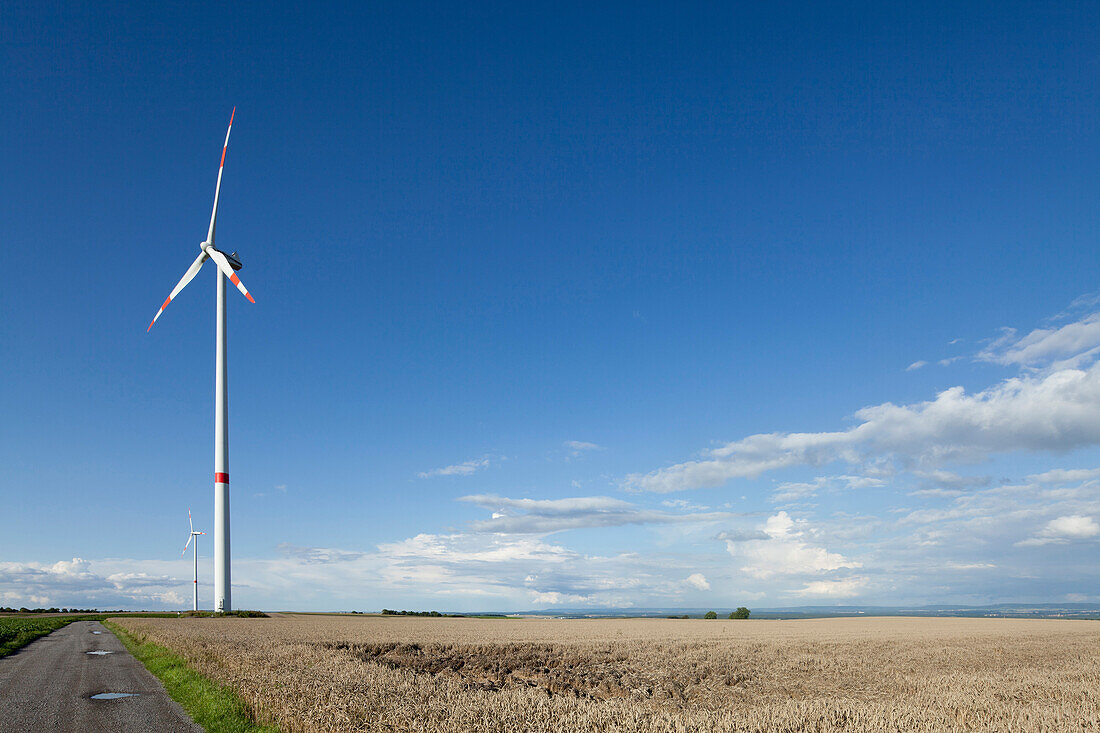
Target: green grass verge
215, 707
18, 632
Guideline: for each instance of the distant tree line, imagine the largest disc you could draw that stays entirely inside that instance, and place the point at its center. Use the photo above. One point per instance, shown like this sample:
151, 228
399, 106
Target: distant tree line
740, 613
24, 609
433, 614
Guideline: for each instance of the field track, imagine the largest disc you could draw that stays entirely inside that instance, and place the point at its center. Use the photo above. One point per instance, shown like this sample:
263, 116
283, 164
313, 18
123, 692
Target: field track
47, 687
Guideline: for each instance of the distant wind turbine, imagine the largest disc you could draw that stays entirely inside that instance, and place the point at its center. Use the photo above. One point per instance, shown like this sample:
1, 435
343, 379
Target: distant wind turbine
227, 264
196, 552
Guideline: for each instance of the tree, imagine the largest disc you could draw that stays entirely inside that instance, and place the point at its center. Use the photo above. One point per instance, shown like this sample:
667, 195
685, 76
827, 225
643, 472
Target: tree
710, 614
741, 612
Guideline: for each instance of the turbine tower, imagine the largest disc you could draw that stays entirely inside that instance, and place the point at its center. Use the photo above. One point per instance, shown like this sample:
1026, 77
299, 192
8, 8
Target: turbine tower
227, 264
196, 551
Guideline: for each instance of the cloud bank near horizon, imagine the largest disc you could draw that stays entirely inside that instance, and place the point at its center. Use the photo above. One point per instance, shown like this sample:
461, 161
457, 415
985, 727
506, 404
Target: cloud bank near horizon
940, 520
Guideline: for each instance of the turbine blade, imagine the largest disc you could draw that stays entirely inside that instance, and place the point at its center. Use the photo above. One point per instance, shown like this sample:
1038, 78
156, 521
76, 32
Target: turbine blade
187, 545
187, 277
227, 269
190, 522
218, 186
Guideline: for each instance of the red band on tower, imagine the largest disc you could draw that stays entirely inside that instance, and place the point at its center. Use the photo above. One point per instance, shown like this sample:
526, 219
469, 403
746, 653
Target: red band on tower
221, 478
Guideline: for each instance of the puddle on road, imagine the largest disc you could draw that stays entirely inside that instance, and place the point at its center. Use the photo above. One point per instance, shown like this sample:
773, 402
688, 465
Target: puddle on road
113, 695
97, 632
99, 652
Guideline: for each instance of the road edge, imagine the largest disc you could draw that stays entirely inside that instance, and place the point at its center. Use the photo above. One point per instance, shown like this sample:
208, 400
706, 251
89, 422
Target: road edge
215, 707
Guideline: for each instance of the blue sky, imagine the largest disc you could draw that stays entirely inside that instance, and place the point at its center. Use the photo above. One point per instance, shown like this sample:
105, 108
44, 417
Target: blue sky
556, 305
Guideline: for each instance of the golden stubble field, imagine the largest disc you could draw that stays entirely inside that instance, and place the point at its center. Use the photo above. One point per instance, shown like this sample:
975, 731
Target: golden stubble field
320, 673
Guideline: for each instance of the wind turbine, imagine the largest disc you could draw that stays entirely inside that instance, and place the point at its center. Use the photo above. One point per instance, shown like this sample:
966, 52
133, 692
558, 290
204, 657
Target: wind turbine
227, 264
196, 551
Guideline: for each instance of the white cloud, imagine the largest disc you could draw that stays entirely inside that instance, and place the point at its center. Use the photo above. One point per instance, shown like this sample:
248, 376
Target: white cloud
697, 581
507, 570
1067, 345
1055, 412
88, 584
1064, 529
543, 516
842, 588
916, 365
1062, 475
554, 598
969, 565
459, 469
578, 447
798, 490
943, 478
946, 484
785, 552
683, 505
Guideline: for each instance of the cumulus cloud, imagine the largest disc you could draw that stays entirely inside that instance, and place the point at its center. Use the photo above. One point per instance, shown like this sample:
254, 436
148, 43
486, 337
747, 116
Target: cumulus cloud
841, 588
697, 581
507, 570
544, 516
459, 469
1062, 530
785, 551
1057, 411
83, 583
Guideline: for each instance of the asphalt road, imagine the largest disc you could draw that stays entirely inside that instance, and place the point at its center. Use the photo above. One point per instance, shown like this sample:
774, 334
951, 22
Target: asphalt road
48, 686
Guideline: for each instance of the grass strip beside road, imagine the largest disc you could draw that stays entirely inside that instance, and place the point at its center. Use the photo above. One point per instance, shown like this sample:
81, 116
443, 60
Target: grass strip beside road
215, 707
18, 632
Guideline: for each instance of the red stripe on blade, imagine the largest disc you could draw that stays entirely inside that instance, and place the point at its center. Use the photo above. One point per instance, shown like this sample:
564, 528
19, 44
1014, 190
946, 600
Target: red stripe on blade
221, 478
234, 279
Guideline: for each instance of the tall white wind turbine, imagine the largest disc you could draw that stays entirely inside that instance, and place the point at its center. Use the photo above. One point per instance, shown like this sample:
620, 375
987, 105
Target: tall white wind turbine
196, 552
227, 264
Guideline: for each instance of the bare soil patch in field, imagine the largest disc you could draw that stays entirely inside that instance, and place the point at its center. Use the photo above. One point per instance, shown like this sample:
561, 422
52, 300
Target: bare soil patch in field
309, 673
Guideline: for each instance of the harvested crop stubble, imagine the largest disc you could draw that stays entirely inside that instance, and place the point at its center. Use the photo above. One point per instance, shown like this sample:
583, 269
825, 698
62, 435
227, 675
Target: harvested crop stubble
313, 673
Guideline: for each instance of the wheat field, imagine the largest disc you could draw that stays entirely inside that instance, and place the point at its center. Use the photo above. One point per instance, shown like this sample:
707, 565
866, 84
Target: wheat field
364, 673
